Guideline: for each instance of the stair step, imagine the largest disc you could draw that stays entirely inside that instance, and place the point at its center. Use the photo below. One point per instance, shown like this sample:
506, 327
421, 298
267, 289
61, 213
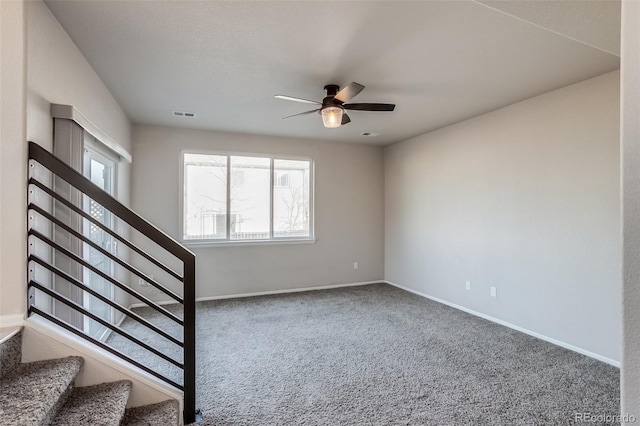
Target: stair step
33, 392
161, 414
10, 350
98, 405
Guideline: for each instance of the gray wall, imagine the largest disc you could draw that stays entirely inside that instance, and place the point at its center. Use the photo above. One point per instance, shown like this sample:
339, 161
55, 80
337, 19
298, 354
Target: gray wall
525, 199
42, 66
13, 160
630, 133
58, 73
349, 205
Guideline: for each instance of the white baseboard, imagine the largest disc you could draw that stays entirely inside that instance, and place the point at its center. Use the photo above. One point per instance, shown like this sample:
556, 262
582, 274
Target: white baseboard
291, 290
512, 326
11, 320
264, 293
161, 303
108, 332
7, 333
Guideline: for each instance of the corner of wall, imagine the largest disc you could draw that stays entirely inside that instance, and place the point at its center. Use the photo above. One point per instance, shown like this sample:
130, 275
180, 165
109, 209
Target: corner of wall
13, 159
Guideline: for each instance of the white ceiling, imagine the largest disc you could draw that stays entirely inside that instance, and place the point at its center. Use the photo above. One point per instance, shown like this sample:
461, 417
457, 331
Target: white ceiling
596, 23
440, 62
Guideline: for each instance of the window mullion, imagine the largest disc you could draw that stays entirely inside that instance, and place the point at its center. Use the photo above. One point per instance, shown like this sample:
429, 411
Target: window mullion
185, 185
271, 200
228, 198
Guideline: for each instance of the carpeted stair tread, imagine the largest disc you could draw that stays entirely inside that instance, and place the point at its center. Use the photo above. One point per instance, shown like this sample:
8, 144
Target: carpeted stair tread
160, 414
98, 405
33, 392
10, 353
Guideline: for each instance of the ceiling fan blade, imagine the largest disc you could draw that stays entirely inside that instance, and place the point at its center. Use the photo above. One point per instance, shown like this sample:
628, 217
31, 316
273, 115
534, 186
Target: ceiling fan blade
370, 107
345, 119
291, 98
349, 92
302, 113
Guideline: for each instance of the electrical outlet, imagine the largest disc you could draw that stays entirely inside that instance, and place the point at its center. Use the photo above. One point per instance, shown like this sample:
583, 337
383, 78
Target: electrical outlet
355, 265
493, 292
468, 285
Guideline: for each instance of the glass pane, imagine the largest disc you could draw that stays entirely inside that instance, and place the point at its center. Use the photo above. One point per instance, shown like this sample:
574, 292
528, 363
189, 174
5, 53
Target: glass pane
250, 194
100, 174
205, 196
291, 198
102, 263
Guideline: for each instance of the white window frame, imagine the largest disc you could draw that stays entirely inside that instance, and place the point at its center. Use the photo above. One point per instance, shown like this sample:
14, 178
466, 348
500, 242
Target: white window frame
228, 241
94, 150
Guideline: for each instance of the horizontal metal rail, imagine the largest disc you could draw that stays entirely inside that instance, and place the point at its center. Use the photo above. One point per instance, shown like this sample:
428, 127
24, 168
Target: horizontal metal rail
73, 305
129, 313
111, 256
76, 180
112, 280
78, 332
105, 228
84, 185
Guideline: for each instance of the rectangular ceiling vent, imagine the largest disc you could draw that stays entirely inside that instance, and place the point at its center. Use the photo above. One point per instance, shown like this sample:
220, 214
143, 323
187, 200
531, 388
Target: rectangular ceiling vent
184, 114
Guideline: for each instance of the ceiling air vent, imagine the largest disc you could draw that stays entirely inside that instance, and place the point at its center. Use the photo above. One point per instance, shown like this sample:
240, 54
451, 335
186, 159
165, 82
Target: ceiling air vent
184, 114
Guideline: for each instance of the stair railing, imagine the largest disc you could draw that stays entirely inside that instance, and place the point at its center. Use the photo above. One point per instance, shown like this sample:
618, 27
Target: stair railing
59, 171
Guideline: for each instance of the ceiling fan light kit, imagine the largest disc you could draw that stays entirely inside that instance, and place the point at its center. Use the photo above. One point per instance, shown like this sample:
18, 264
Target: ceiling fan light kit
333, 106
331, 116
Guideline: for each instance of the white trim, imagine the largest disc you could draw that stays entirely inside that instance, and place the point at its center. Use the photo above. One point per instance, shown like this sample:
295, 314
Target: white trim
7, 333
69, 112
234, 243
512, 326
292, 290
231, 153
263, 293
90, 350
11, 320
227, 206
93, 152
271, 191
109, 331
144, 305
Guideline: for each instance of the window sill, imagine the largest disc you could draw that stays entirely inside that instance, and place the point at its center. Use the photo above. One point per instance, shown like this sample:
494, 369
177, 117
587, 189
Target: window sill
209, 244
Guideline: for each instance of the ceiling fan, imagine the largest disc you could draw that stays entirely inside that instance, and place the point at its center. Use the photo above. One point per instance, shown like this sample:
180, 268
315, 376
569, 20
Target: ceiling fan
333, 106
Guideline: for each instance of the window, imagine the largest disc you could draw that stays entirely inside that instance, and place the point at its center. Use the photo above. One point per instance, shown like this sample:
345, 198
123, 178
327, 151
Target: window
246, 198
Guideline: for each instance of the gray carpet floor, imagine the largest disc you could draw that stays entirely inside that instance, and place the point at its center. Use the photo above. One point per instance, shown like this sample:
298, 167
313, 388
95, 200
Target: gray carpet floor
377, 355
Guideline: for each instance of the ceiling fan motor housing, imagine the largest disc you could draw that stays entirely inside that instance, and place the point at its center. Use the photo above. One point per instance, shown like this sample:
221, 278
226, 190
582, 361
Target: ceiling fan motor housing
331, 89
330, 100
